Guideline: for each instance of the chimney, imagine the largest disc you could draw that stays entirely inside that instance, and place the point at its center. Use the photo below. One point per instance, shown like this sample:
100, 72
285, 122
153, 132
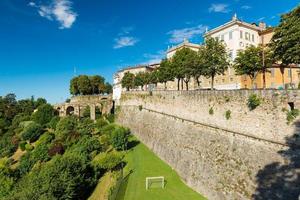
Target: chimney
262, 25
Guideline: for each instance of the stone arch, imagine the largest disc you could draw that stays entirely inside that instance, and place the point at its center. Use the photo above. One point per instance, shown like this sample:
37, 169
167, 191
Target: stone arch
70, 110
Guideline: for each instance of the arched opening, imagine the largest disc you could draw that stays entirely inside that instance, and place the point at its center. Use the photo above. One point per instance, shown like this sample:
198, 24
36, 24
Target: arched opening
70, 110
292, 105
57, 111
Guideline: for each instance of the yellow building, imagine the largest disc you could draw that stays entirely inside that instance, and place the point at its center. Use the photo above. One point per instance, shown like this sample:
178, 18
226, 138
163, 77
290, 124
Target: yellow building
274, 77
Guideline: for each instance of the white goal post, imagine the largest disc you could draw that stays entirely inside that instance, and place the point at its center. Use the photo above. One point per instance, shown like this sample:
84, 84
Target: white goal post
150, 180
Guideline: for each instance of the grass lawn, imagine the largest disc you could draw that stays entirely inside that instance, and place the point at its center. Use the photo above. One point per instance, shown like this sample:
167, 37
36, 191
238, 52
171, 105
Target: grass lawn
145, 163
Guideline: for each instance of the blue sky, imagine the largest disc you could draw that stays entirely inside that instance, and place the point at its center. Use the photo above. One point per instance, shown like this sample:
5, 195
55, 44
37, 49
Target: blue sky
42, 41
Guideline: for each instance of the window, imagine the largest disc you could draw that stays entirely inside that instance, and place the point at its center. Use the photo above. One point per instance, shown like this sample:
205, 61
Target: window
223, 80
247, 36
272, 72
252, 37
230, 35
222, 37
231, 79
241, 34
230, 54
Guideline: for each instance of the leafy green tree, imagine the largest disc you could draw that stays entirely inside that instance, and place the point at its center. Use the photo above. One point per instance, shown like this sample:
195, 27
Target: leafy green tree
86, 112
65, 127
250, 62
32, 132
286, 39
139, 80
107, 161
97, 84
178, 67
119, 138
200, 65
44, 114
108, 88
74, 89
216, 59
6, 177
165, 73
39, 102
84, 85
128, 81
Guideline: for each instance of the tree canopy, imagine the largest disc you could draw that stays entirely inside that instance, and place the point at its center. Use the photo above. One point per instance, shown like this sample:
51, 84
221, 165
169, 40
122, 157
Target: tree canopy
89, 85
286, 39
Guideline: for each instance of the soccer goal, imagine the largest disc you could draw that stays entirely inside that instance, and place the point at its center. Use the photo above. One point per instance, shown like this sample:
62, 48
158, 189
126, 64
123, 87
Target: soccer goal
155, 182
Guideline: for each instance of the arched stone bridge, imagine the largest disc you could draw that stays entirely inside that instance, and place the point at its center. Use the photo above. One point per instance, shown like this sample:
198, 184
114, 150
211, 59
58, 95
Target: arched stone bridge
78, 104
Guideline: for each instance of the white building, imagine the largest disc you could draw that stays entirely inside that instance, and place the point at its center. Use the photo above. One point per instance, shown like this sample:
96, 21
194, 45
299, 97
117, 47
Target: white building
186, 44
237, 35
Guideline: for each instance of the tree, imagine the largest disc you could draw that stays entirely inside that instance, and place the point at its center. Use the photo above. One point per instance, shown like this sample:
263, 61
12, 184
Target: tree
97, 84
165, 72
178, 66
286, 39
199, 68
139, 80
39, 102
119, 138
285, 42
74, 90
107, 160
84, 85
216, 59
44, 114
128, 81
32, 132
249, 62
108, 88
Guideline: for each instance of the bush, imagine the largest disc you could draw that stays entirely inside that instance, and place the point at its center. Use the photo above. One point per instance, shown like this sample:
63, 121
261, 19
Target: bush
119, 138
86, 126
7, 146
292, 115
228, 114
86, 112
211, 111
28, 147
140, 107
253, 101
101, 122
110, 118
54, 121
56, 148
44, 114
64, 177
107, 161
65, 126
22, 145
32, 132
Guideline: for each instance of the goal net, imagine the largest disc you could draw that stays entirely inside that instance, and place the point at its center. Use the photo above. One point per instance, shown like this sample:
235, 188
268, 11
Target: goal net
155, 182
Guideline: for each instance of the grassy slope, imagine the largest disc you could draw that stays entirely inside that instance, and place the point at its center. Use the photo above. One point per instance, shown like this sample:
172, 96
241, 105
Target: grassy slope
100, 192
145, 163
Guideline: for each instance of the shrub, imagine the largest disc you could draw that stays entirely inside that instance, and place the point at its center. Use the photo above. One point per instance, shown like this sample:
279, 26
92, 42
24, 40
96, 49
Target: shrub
140, 107
7, 147
44, 114
211, 111
65, 126
110, 118
85, 126
86, 112
119, 138
54, 121
253, 101
22, 145
292, 115
228, 114
107, 160
227, 98
56, 148
32, 132
28, 147
101, 122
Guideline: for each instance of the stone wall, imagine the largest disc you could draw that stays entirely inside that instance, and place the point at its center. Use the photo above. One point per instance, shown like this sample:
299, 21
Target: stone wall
218, 157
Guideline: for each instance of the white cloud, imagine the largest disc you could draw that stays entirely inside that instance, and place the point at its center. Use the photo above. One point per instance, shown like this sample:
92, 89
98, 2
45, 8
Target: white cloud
32, 4
246, 7
178, 35
155, 58
125, 42
220, 7
60, 10
261, 19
